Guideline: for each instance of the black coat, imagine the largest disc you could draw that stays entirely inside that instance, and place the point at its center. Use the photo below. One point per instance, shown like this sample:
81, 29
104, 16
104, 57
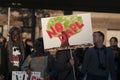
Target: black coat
63, 67
4, 60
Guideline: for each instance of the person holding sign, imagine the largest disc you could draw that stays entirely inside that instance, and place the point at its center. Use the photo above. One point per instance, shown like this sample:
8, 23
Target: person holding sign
64, 65
65, 62
15, 50
99, 60
40, 61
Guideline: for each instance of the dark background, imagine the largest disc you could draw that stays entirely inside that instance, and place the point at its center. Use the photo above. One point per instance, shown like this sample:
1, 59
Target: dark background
112, 6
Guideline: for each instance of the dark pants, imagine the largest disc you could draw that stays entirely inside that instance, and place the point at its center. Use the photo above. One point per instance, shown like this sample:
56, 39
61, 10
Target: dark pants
9, 76
95, 77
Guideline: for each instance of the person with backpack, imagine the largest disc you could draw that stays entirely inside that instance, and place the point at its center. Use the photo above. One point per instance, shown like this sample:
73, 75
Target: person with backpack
40, 61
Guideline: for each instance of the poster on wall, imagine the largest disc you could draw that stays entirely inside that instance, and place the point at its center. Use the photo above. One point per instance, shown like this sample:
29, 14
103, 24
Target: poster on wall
67, 30
21, 75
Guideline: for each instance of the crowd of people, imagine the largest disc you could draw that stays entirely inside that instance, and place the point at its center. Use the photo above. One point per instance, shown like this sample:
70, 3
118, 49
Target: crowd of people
95, 63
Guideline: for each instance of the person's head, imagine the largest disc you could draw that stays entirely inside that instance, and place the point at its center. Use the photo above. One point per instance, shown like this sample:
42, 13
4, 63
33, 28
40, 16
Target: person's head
113, 41
39, 45
15, 33
28, 42
98, 37
1, 38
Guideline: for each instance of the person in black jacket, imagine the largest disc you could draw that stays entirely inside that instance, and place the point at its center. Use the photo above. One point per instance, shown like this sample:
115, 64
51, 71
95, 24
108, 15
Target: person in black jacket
3, 58
98, 61
64, 65
116, 51
16, 51
28, 47
65, 62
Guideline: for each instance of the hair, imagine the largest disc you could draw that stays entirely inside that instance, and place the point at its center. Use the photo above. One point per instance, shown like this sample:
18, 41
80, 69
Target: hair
14, 29
101, 34
115, 38
39, 45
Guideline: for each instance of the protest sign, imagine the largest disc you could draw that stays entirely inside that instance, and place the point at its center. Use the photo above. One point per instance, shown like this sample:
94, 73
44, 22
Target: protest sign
21, 75
74, 29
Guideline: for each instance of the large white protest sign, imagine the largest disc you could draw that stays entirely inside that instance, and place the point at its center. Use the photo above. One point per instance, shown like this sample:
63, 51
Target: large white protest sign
21, 75
77, 29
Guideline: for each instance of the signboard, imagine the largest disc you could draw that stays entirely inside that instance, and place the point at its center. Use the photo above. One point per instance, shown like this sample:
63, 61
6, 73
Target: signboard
73, 29
21, 75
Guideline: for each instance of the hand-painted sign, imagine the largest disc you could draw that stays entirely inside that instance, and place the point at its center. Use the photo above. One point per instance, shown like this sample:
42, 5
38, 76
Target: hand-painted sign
21, 75
67, 30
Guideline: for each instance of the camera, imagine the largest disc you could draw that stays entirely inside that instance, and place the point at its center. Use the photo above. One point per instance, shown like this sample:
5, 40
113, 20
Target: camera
102, 66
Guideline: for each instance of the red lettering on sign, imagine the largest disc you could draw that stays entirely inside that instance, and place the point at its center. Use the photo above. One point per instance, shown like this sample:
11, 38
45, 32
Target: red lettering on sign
33, 78
68, 33
57, 30
62, 37
58, 27
51, 33
79, 25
